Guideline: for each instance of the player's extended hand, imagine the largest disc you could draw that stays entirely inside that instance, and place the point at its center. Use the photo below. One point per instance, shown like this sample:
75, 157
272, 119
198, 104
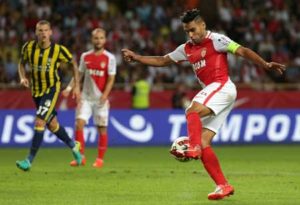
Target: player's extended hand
102, 99
24, 82
276, 66
128, 55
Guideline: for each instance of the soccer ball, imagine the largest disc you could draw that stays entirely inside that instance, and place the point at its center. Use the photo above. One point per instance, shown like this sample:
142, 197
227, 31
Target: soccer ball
179, 146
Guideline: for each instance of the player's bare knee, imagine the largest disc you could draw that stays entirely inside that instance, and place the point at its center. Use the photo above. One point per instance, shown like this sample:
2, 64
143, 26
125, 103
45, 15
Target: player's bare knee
102, 130
195, 108
207, 137
79, 125
205, 143
53, 126
192, 109
40, 123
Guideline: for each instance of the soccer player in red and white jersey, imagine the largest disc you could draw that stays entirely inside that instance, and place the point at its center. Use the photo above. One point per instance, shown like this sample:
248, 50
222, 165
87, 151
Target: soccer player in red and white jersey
207, 52
98, 67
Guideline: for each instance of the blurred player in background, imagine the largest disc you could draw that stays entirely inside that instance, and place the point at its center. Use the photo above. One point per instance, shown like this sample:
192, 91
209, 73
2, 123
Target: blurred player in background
98, 67
141, 91
207, 53
44, 59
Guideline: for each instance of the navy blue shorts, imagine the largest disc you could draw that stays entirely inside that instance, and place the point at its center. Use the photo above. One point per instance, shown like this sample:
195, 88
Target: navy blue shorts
45, 104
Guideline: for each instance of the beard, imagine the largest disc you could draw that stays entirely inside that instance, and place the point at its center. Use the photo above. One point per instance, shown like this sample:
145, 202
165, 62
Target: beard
98, 47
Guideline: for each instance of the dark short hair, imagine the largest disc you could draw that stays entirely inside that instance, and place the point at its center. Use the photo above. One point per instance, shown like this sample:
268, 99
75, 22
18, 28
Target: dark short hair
191, 15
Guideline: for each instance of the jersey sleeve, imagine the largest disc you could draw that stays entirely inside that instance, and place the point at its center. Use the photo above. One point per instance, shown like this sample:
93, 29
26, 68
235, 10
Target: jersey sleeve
65, 55
24, 53
112, 66
178, 54
82, 66
223, 43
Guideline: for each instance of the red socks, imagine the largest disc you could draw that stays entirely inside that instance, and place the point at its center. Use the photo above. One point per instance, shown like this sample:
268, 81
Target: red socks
194, 128
102, 145
79, 137
212, 166
208, 157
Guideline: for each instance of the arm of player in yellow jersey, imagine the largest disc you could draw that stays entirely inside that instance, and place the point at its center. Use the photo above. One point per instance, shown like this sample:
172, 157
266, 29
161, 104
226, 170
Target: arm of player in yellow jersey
22, 74
74, 84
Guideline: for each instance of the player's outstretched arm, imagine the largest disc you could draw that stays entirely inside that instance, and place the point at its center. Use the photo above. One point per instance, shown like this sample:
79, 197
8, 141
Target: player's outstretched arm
254, 57
157, 61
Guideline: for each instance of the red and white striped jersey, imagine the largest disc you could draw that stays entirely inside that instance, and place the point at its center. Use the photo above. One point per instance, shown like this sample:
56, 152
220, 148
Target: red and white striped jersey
96, 69
208, 58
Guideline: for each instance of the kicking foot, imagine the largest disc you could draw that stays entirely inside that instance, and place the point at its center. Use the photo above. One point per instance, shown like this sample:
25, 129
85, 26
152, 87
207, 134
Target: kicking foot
193, 152
221, 192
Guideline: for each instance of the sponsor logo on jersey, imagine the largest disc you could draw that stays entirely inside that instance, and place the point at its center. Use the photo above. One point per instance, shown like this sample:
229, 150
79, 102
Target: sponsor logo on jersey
96, 72
199, 64
102, 64
41, 67
48, 64
47, 103
139, 131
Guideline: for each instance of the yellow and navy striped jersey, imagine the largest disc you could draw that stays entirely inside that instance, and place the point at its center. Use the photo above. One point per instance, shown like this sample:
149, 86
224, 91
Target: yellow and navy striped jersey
44, 64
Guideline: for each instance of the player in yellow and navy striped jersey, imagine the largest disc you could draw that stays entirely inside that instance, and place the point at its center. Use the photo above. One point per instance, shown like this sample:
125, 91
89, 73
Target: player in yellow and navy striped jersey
44, 63
44, 58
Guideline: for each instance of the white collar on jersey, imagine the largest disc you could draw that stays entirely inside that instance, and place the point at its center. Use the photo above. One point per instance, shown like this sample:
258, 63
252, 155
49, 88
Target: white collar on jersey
208, 32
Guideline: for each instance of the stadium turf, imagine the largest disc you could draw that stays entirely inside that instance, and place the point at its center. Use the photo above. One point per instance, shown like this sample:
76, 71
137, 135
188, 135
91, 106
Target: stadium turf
267, 175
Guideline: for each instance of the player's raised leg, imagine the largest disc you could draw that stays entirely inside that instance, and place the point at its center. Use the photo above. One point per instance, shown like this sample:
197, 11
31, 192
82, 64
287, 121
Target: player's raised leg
212, 166
39, 129
79, 137
61, 133
194, 128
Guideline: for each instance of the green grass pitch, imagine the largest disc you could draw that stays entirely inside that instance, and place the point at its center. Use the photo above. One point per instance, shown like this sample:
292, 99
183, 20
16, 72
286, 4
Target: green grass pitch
266, 175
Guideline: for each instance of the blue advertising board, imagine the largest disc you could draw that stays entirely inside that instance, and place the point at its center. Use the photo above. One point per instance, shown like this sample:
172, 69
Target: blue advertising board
158, 127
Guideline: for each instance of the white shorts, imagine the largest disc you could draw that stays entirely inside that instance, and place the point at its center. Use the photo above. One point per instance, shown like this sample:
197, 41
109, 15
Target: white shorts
220, 99
99, 111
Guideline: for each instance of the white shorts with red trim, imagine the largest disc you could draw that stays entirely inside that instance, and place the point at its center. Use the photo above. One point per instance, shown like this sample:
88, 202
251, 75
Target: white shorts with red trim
100, 112
220, 98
